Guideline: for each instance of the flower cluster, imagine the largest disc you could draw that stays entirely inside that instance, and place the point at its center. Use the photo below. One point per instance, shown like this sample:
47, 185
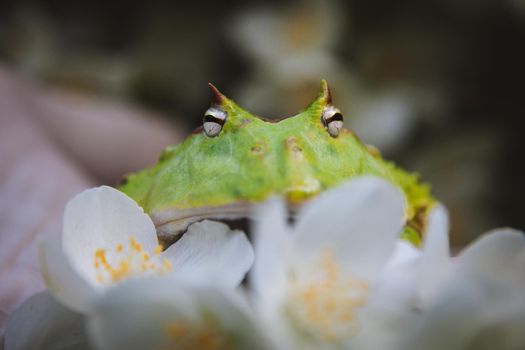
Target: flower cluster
339, 277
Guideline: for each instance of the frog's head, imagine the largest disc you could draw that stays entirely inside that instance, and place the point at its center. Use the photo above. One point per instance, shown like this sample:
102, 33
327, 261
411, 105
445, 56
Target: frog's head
236, 159
223, 109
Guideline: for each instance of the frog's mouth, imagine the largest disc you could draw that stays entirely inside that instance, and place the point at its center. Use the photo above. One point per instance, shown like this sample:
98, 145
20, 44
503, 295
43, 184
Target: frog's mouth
171, 223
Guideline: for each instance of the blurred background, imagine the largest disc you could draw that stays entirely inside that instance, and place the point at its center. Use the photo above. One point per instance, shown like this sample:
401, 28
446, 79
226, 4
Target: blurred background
437, 86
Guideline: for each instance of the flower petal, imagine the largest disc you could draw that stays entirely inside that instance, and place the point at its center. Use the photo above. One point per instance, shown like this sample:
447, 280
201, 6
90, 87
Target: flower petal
447, 325
62, 279
394, 295
499, 254
171, 315
102, 218
210, 250
404, 253
481, 305
272, 241
472, 314
434, 264
359, 222
43, 323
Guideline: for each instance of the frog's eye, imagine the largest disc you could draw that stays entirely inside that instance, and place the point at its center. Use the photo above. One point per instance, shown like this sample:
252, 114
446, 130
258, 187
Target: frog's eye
213, 121
332, 120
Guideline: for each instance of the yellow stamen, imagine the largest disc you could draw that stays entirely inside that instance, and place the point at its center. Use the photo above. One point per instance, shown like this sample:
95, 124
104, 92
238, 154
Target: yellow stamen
327, 307
166, 264
177, 329
134, 263
196, 336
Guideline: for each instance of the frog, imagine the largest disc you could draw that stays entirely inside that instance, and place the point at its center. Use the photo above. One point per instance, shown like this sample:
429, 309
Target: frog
235, 160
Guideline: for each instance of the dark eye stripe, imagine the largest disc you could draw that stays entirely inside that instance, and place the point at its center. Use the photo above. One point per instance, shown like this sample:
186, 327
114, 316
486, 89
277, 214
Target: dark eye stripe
336, 117
332, 120
213, 121
208, 118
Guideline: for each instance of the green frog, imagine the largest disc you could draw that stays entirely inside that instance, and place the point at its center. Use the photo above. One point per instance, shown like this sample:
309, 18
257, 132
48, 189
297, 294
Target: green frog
236, 160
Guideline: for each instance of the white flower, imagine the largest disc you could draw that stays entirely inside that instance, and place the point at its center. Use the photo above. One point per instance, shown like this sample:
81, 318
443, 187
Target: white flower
315, 281
476, 300
187, 316
42, 323
107, 239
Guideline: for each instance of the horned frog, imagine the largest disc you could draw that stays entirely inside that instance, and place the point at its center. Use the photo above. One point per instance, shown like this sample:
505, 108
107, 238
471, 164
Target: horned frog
236, 160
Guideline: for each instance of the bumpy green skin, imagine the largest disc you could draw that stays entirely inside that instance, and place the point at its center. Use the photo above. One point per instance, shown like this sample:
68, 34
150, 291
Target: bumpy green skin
252, 159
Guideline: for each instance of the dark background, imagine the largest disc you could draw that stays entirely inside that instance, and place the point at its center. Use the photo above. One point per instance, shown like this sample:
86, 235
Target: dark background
456, 69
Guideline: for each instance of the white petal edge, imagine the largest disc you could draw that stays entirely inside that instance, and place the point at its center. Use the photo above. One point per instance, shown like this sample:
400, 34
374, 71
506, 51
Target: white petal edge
467, 315
358, 221
209, 250
42, 323
122, 323
448, 324
404, 253
435, 262
498, 254
102, 218
393, 297
272, 242
62, 279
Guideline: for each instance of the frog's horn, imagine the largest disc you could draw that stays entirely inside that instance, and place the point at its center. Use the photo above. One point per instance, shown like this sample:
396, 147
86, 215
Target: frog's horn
218, 97
325, 95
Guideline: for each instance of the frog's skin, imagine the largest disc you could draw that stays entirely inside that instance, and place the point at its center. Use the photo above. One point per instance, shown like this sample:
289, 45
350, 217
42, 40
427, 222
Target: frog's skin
252, 159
